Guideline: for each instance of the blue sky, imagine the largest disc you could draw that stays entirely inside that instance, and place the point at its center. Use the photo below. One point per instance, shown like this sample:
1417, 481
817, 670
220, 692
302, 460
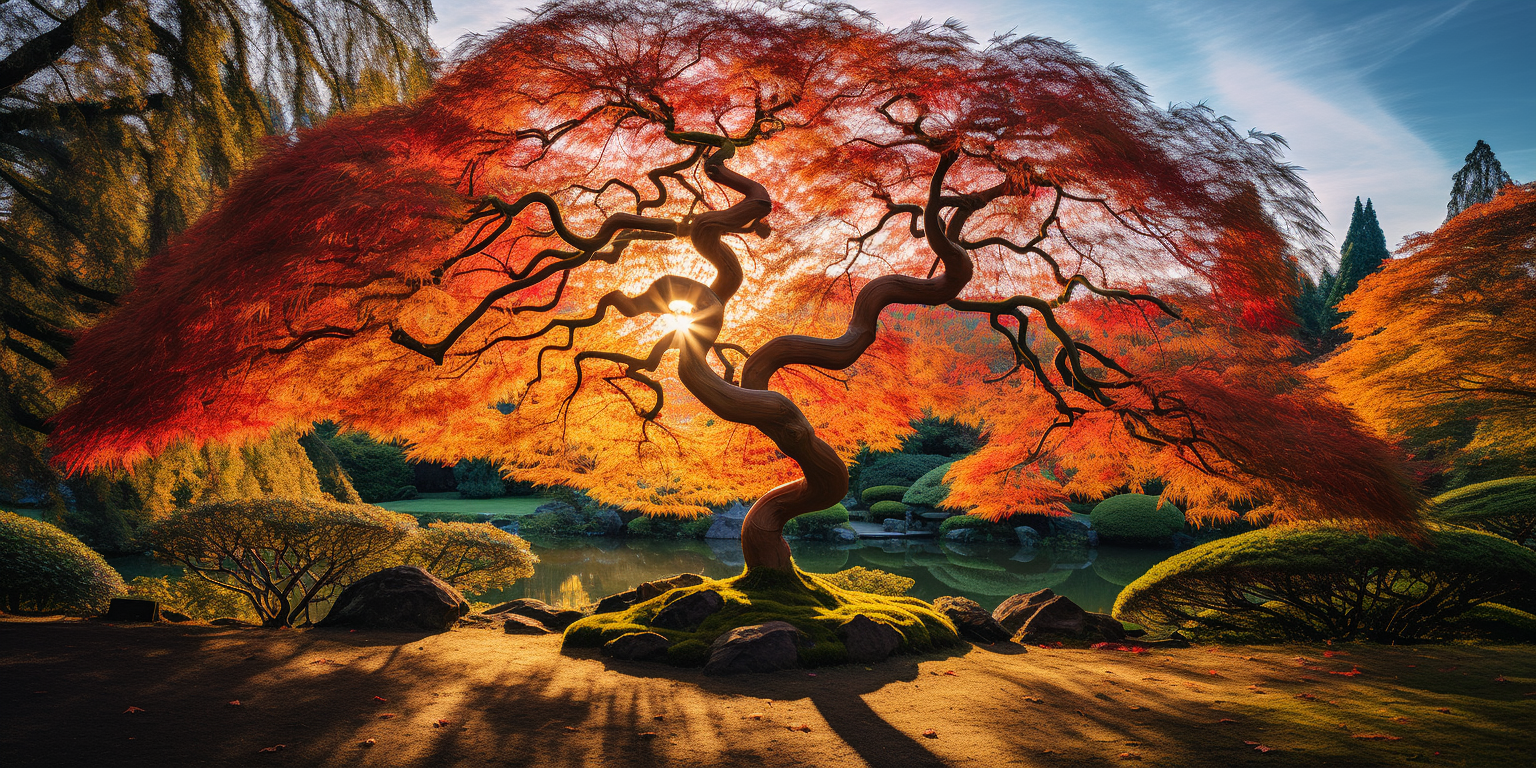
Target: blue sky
1379, 99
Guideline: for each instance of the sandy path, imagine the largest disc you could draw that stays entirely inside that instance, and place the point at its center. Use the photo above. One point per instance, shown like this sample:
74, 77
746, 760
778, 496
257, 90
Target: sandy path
516, 701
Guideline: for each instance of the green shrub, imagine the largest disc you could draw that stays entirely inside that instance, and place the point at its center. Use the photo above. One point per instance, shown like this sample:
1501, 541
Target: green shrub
479, 479
930, 489
328, 470
405, 493
817, 525
45, 569
425, 519
1505, 507
1136, 517
1321, 582
874, 582
648, 527
944, 436
571, 521
376, 469
985, 529
282, 555
883, 493
901, 469
474, 557
881, 510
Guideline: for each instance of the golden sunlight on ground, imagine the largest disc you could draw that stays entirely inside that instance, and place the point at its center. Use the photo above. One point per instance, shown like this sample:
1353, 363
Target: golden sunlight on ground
88, 693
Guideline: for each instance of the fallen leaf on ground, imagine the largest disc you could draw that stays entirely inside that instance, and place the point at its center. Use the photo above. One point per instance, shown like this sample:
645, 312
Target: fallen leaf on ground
569, 728
1500, 679
1034, 699
952, 672
235, 703
380, 699
1257, 747
1445, 710
648, 734
1331, 654
440, 724
369, 742
1353, 672
1133, 706
1226, 720
1215, 673
386, 715
930, 734
274, 748
1129, 756
801, 727
132, 710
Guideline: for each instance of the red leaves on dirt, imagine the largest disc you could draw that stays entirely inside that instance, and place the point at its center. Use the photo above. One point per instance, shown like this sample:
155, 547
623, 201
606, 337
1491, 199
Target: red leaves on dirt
132, 710
1443, 710
386, 715
930, 734
1129, 756
1118, 647
380, 699
368, 743
1331, 654
1257, 747
236, 703
441, 724
648, 734
273, 748
1353, 672
1375, 737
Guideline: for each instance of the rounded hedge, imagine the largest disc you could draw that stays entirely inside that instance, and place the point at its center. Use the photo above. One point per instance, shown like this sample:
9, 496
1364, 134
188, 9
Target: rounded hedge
901, 469
880, 510
1506, 507
817, 525
1323, 582
871, 581
1136, 517
45, 569
881, 493
930, 489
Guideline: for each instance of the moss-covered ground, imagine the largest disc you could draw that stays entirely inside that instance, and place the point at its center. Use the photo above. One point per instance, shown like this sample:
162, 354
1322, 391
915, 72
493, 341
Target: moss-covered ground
759, 595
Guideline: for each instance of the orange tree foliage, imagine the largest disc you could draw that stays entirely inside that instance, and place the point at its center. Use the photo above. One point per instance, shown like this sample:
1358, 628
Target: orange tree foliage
1117, 270
1445, 335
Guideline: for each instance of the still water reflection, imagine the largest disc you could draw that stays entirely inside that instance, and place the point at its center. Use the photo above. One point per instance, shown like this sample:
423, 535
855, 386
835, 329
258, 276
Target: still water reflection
580, 571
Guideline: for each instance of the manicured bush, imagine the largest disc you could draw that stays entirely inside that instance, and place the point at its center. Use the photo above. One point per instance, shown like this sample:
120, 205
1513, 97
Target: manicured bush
881, 510
648, 527
883, 493
1136, 517
45, 569
425, 519
376, 469
817, 525
930, 489
1321, 582
901, 469
474, 557
281, 555
479, 479
943, 436
1505, 507
874, 582
570, 521
405, 493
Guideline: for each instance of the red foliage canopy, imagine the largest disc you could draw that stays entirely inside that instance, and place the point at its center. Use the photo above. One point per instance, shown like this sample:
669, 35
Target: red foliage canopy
402, 270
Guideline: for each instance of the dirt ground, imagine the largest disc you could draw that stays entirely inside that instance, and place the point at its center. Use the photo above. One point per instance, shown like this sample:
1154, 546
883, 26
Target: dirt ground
88, 693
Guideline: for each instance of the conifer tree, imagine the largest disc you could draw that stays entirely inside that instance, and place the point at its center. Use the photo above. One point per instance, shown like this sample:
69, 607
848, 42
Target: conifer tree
1364, 250
1478, 180
120, 121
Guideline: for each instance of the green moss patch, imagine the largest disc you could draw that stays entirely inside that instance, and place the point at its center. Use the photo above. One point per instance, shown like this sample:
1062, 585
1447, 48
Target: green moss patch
807, 601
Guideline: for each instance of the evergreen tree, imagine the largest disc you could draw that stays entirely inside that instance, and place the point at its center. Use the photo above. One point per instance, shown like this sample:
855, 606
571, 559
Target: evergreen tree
1364, 250
120, 121
1477, 182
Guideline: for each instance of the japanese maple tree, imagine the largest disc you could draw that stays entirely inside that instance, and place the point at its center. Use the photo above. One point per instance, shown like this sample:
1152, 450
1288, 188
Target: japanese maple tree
663, 237
1443, 336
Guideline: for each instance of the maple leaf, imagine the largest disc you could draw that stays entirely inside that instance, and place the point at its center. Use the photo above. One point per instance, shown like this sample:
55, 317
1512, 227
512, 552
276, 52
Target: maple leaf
930, 734
132, 710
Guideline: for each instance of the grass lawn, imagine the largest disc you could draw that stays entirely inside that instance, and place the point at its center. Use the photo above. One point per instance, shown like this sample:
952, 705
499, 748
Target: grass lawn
507, 506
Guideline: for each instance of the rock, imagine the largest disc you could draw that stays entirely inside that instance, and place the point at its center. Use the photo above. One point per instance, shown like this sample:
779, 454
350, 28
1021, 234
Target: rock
973, 621
894, 525
557, 508
868, 640
637, 646
1175, 640
1013, 613
128, 609
471, 619
522, 625
1025, 555
1071, 526
1093, 538
687, 611
852, 501
939, 516
540, 611
615, 603
727, 523
962, 534
842, 535
1028, 537
1135, 632
727, 551
176, 616
609, 520
651, 589
403, 597
757, 648
1108, 626
1056, 616
1182, 541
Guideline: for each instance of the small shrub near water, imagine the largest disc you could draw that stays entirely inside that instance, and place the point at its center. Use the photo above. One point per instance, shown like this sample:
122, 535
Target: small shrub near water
881, 510
45, 569
1136, 517
1319, 582
901, 469
871, 581
929, 490
881, 493
648, 527
817, 525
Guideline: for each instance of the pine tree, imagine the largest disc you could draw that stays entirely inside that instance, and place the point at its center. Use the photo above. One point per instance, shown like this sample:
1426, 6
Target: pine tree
1364, 250
1477, 182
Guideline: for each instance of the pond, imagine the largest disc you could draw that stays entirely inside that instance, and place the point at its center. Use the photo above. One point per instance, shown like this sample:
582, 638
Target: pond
581, 571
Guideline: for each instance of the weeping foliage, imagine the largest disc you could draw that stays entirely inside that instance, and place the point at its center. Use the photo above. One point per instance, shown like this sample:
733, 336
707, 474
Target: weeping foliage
1124, 272
1442, 355
122, 120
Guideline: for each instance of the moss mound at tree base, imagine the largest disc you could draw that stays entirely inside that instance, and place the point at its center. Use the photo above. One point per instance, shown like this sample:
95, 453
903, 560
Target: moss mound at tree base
805, 600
